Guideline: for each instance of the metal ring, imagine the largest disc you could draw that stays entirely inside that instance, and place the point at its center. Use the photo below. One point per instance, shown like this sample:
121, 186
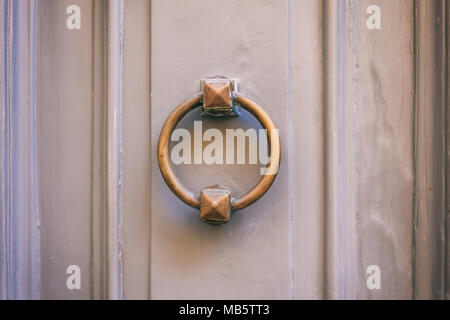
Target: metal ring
184, 193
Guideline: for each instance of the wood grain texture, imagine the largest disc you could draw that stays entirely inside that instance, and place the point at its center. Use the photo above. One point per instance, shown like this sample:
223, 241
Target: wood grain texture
305, 148
114, 147
369, 151
247, 257
447, 154
430, 152
98, 252
136, 149
64, 131
365, 149
4, 239
19, 212
340, 230
383, 108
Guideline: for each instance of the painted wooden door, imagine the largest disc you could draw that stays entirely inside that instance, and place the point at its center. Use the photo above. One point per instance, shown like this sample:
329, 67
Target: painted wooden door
357, 88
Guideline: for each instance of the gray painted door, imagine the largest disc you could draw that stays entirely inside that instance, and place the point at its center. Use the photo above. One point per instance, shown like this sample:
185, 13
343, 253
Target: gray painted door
357, 88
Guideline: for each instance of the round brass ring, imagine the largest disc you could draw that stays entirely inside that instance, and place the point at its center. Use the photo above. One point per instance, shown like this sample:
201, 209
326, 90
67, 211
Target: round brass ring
178, 187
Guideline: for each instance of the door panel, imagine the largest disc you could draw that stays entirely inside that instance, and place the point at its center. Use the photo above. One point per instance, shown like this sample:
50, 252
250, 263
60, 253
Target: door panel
383, 108
361, 109
64, 140
249, 256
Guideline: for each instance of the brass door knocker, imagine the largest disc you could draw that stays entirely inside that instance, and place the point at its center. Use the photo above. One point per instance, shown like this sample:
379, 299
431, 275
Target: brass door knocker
217, 98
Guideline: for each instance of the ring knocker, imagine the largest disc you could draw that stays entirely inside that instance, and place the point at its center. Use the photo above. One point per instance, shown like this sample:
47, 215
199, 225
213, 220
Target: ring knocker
218, 97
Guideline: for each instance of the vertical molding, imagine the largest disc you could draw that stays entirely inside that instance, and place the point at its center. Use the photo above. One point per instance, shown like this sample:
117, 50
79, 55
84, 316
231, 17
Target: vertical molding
19, 213
305, 149
114, 150
5, 273
340, 239
447, 130
429, 142
5, 266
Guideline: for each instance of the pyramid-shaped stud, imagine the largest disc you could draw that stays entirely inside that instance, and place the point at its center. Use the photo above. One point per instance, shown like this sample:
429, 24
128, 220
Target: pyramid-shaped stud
217, 96
215, 204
